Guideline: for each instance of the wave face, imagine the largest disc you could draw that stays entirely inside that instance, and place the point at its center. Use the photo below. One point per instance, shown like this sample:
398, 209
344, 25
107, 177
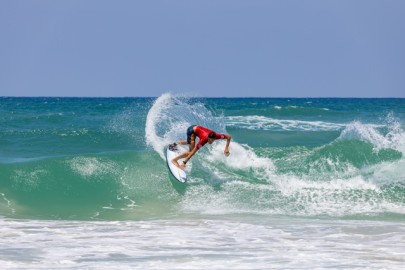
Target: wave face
74, 158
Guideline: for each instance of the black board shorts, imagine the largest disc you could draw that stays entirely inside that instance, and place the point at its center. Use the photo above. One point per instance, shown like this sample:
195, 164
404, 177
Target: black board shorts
190, 135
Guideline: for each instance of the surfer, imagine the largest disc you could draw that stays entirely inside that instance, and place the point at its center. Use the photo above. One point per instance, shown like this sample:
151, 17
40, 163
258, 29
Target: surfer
205, 135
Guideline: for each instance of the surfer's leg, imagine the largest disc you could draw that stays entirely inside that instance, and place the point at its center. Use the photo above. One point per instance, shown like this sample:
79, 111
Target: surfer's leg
190, 137
191, 143
175, 160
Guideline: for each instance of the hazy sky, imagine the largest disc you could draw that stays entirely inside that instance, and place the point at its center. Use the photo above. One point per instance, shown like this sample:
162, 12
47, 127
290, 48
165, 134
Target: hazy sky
260, 48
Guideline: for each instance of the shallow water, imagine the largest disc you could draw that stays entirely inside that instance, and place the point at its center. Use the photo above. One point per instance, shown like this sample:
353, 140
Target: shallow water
276, 243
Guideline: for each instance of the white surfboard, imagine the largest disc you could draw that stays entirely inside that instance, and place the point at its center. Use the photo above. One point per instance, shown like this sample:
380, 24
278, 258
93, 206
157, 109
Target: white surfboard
171, 152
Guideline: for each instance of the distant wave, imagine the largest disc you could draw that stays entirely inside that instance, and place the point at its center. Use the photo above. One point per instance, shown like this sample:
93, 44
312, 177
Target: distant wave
257, 122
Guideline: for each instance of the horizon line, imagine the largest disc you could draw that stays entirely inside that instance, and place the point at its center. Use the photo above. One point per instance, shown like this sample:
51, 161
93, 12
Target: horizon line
247, 97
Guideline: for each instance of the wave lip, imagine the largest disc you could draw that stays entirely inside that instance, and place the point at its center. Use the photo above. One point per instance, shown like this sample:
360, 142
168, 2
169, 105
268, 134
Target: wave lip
170, 116
393, 137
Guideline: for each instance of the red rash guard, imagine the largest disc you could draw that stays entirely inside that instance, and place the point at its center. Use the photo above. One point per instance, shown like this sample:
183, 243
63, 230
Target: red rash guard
203, 133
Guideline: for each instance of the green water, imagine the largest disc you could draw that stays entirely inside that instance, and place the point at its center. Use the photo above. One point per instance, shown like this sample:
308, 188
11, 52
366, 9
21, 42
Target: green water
101, 158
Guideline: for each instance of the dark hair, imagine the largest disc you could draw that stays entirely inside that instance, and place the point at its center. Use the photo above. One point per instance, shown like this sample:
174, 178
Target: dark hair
211, 135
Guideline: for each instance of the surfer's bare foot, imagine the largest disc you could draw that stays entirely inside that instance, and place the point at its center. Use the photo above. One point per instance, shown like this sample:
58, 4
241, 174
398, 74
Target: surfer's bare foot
173, 147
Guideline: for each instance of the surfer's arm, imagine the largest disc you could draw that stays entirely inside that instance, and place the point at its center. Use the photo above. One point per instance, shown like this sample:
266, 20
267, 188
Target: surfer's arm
228, 141
190, 155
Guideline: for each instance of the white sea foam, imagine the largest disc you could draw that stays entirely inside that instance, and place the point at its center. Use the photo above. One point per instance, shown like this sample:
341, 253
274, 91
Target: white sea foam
394, 138
257, 122
29, 179
240, 158
201, 243
91, 166
291, 195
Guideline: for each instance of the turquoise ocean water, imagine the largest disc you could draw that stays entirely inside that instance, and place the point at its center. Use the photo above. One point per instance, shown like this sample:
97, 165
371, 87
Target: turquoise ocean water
310, 183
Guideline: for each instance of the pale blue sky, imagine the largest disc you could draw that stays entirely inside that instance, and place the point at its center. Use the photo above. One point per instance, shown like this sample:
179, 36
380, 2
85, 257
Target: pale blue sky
231, 48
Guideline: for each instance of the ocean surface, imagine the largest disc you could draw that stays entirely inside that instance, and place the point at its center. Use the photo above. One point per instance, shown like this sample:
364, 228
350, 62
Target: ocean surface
310, 184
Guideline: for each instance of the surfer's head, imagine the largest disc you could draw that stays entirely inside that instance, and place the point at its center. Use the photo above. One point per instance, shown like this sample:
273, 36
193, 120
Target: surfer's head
211, 137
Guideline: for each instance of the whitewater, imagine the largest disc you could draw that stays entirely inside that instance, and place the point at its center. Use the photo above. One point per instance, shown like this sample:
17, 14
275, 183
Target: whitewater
310, 183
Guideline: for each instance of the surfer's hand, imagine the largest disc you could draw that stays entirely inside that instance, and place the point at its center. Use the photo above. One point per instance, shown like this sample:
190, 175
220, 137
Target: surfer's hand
226, 152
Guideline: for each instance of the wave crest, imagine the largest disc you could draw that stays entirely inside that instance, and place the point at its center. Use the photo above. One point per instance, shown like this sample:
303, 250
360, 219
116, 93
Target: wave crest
170, 116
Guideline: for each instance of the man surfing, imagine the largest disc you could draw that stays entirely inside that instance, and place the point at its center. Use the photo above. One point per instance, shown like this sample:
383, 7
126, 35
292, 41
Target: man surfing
205, 135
